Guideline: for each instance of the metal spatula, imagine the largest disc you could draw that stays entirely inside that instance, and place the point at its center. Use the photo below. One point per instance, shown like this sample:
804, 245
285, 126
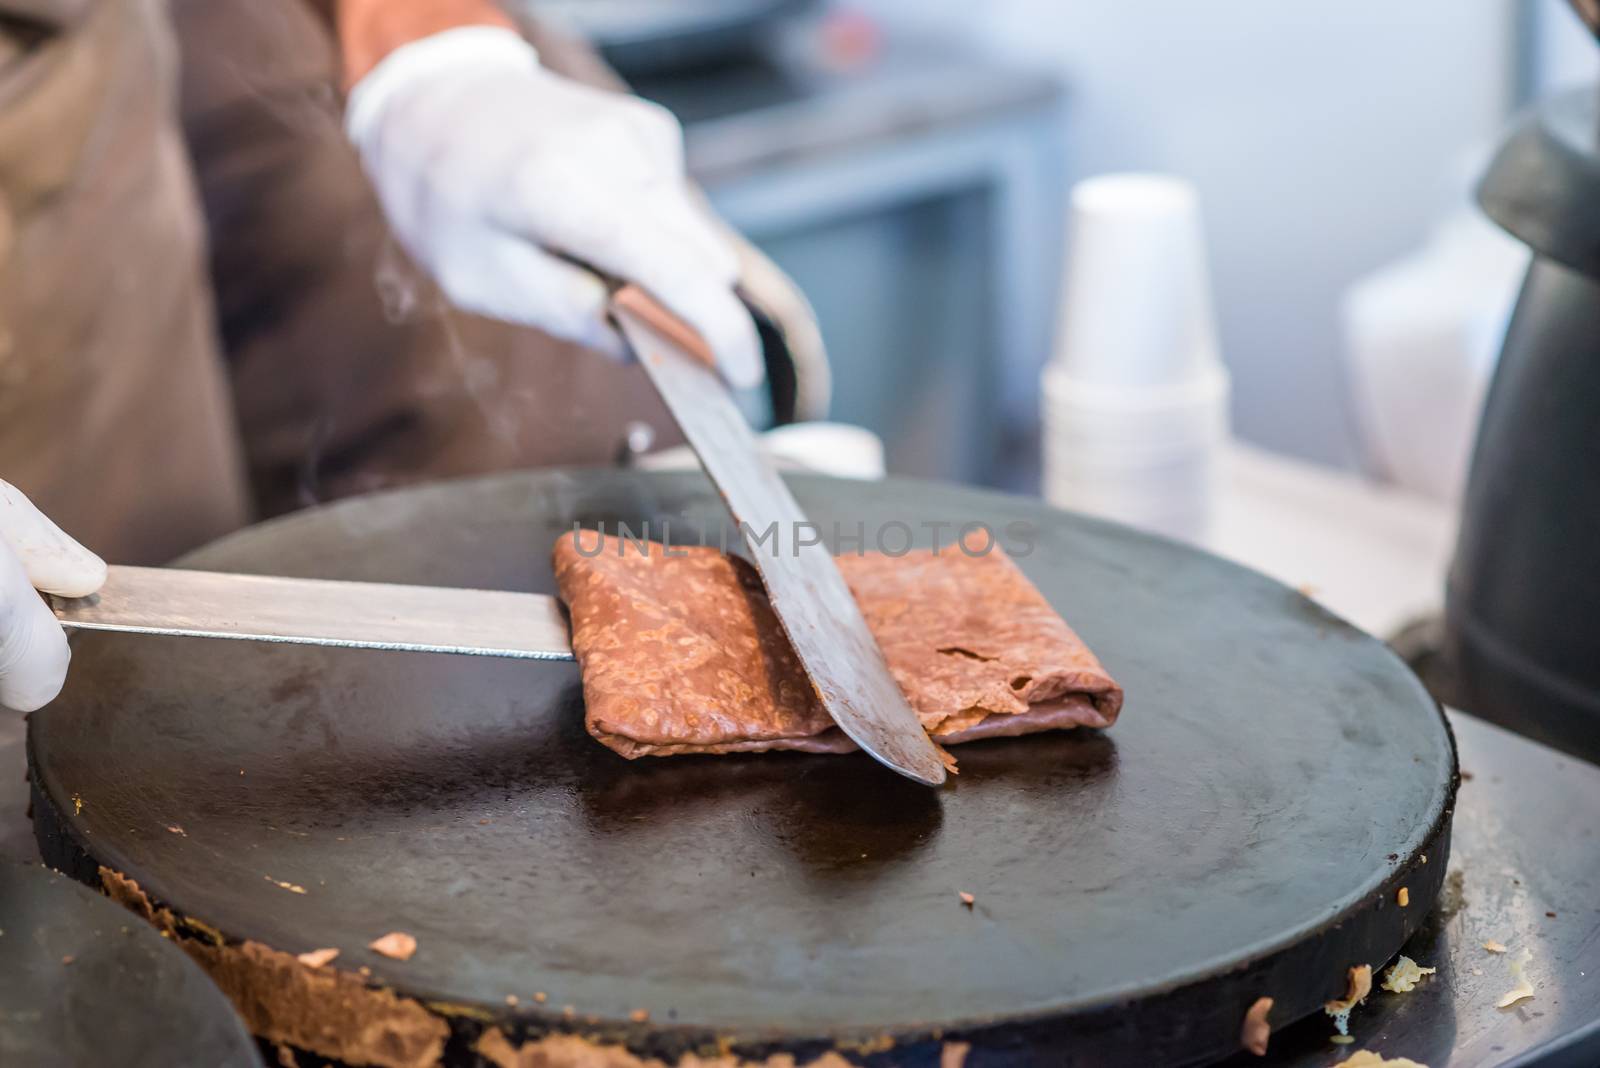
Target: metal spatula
808, 594
359, 615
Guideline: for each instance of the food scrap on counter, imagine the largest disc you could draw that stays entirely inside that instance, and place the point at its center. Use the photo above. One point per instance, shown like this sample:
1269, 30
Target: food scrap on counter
1523, 988
1365, 1058
1404, 975
316, 958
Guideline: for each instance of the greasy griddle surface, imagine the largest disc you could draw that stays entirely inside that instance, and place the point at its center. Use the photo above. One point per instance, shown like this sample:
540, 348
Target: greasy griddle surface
1273, 778
82, 981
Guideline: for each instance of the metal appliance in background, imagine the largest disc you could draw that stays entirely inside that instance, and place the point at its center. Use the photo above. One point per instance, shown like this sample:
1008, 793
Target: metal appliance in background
1522, 615
912, 189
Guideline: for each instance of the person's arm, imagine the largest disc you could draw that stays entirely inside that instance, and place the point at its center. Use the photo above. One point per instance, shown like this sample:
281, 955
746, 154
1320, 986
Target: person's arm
371, 29
493, 170
35, 555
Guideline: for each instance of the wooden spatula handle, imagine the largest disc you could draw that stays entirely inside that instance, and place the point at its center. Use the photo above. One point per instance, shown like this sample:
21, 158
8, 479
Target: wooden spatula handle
661, 319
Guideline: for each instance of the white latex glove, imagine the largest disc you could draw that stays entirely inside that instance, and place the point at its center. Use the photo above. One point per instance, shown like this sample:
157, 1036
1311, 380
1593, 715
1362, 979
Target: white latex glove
36, 555
484, 161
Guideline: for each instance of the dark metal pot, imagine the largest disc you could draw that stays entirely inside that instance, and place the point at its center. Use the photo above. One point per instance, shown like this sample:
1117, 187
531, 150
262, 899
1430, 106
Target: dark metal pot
1522, 619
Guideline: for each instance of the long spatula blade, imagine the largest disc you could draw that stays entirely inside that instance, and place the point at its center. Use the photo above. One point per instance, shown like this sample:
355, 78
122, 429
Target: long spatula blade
357, 615
808, 594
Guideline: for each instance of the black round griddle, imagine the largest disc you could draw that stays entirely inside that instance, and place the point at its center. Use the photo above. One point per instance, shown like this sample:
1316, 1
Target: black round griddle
1275, 778
83, 982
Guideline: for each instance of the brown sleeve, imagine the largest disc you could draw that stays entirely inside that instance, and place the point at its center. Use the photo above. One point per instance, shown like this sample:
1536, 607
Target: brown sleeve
371, 29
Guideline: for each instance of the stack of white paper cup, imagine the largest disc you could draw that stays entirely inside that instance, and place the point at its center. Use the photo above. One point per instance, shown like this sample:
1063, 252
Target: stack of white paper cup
1135, 401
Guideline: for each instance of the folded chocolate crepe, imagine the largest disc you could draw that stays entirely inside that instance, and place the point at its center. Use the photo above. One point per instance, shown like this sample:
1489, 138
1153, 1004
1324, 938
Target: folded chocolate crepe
681, 652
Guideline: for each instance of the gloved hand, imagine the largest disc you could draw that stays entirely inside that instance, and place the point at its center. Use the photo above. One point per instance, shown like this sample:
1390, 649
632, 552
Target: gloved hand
36, 555
485, 162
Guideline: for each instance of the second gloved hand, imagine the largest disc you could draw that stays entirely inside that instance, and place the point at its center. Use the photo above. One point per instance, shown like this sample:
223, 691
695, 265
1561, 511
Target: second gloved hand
36, 555
485, 162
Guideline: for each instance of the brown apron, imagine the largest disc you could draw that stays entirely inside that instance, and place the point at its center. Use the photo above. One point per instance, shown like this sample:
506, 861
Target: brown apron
113, 405
348, 371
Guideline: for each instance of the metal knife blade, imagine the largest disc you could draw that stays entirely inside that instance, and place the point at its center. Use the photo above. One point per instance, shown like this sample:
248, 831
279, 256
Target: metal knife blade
808, 594
358, 615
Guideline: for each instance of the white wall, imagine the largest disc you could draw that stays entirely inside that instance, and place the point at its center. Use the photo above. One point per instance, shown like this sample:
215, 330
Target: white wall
1560, 50
1322, 137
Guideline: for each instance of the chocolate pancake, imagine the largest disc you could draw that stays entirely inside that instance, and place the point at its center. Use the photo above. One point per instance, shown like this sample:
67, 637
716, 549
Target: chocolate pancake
681, 651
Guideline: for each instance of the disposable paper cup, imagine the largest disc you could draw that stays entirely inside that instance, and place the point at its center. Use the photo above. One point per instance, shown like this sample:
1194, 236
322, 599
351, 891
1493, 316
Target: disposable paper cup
1168, 491
1150, 421
1135, 305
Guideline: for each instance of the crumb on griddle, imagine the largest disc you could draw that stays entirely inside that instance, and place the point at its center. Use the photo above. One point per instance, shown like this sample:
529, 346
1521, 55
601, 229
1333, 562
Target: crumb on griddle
1494, 947
175, 829
1255, 1031
68, 959
1402, 897
291, 887
639, 1015
1550, 915
511, 999
77, 805
395, 944
540, 996
966, 898
316, 958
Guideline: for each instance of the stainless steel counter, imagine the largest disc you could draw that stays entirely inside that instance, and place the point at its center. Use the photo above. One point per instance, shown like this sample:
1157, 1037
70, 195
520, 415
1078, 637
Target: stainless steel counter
1524, 872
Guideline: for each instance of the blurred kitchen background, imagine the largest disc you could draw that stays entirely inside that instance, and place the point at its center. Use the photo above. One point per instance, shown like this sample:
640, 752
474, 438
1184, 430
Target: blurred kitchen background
909, 163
